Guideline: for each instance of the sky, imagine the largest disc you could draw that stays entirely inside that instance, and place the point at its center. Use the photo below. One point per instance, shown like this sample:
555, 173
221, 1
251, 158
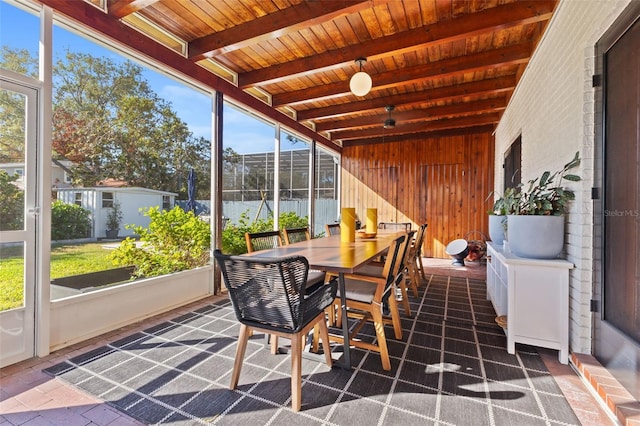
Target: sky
244, 134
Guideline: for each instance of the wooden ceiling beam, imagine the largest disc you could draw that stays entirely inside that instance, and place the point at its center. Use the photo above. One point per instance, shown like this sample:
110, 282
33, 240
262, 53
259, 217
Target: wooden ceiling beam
475, 88
121, 8
291, 19
458, 109
509, 55
470, 121
420, 136
488, 20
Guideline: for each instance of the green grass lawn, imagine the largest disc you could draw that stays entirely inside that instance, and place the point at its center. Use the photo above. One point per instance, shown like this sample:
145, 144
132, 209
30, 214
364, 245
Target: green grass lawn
66, 260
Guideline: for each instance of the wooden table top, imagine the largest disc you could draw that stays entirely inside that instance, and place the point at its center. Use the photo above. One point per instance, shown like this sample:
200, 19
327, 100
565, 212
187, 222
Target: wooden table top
331, 254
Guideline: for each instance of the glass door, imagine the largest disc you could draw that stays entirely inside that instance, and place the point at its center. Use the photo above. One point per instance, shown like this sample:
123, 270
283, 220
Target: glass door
616, 338
18, 142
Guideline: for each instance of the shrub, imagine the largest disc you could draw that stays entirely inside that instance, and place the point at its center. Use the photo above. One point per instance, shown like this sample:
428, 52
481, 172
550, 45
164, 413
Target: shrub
289, 220
233, 235
69, 221
114, 217
233, 241
175, 241
11, 203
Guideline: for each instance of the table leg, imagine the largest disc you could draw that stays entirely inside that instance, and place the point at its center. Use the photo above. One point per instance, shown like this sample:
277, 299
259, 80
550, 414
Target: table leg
345, 324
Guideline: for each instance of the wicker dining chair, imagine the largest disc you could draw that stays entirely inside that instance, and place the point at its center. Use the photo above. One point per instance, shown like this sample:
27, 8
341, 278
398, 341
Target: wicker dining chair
268, 295
397, 226
294, 235
271, 239
416, 269
332, 229
420, 247
262, 240
316, 277
365, 296
405, 257
413, 263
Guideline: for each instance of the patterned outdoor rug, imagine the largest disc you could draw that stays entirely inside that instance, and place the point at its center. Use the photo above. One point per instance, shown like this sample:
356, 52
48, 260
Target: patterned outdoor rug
451, 368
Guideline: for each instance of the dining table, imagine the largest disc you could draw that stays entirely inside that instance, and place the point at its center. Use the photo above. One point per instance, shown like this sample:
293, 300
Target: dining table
332, 255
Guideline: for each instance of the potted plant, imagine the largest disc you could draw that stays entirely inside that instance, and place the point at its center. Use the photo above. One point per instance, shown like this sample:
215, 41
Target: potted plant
536, 224
114, 219
502, 206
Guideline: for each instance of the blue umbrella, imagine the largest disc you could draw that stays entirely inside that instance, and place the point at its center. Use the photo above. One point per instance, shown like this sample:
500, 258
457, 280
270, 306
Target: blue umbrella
191, 191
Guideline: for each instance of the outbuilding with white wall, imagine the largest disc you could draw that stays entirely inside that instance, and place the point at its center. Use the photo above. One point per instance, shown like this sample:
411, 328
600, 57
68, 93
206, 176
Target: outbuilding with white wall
133, 201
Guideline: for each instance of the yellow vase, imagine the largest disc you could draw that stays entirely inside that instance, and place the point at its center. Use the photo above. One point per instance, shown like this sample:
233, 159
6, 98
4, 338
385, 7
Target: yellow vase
348, 225
372, 221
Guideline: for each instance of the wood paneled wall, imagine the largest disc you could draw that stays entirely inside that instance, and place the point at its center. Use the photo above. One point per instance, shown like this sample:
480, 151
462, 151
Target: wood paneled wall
443, 181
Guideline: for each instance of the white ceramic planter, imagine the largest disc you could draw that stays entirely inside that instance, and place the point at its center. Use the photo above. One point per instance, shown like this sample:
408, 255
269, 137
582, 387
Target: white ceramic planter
496, 228
536, 237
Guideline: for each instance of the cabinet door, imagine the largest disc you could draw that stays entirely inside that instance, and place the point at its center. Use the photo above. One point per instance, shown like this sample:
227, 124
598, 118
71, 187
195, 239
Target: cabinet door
540, 304
497, 283
491, 277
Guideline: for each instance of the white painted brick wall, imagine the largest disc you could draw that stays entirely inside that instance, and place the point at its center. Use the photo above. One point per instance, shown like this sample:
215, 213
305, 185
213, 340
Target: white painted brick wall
553, 109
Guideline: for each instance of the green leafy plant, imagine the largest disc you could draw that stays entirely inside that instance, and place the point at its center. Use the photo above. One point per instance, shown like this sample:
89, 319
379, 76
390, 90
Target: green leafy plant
174, 241
505, 204
287, 220
114, 217
11, 203
69, 221
233, 235
545, 195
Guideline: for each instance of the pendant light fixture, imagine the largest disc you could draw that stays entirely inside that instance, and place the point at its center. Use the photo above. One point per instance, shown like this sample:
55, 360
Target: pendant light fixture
389, 123
360, 83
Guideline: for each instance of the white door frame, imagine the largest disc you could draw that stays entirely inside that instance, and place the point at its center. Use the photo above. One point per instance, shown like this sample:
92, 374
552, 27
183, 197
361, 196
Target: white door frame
18, 326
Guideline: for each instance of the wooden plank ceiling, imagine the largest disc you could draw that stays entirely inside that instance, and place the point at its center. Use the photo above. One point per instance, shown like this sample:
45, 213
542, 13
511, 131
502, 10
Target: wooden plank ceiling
447, 66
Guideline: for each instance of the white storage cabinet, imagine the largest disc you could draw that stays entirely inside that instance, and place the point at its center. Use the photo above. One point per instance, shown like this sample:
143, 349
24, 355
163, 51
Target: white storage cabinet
534, 295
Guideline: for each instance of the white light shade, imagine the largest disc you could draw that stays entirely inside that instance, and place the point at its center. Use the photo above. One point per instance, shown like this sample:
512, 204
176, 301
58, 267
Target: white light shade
360, 83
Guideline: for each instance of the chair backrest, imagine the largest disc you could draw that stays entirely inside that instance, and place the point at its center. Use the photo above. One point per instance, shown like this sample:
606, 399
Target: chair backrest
399, 226
262, 240
265, 291
269, 293
405, 256
332, 229
392, 263
294, 235
419, 240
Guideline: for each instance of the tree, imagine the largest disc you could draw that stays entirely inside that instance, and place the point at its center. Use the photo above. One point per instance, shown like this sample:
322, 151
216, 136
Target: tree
109, 121
230, 159
11, 203
12, 127
12, 105
193, 155
18, 60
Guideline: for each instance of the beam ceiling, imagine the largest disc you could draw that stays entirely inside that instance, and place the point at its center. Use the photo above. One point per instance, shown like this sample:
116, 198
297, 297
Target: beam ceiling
448, 66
